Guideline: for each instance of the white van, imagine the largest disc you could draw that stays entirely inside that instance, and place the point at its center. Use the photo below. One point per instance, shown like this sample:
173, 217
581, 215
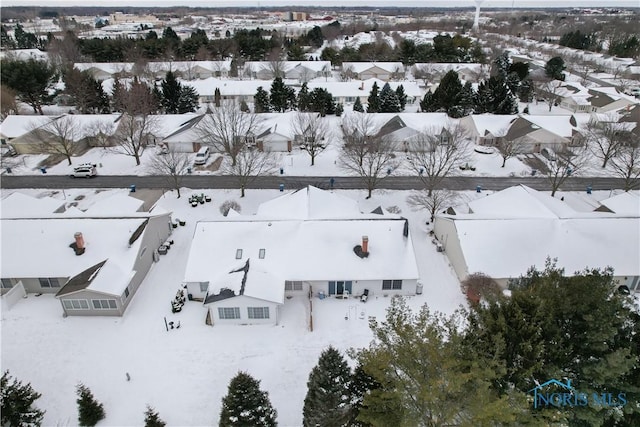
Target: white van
84, 170
202, 156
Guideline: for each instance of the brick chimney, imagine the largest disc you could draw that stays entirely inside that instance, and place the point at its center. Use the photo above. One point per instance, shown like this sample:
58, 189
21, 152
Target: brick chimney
79, 240
365, 244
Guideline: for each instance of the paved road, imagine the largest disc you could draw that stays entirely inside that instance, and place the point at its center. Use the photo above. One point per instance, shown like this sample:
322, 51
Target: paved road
291, 182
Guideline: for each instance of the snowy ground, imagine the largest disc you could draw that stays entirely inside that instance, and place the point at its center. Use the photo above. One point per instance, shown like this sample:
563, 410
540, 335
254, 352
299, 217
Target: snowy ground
184, 373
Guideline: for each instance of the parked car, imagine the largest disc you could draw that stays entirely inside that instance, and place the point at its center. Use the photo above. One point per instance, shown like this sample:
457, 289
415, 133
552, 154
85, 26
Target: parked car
85, 170
548, 153
202, 156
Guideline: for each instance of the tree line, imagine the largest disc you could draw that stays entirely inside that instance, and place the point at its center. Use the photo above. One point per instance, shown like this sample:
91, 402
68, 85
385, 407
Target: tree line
478, 366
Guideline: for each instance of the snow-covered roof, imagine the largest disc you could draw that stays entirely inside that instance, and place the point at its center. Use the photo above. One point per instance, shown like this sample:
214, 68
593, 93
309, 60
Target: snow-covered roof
514, 229
560, 125
19, 205
494, 124
359, 88
117, 204
627, 203
286, 66
14, 126
227, 87
276, 123
309, 234
25, 54
359, 67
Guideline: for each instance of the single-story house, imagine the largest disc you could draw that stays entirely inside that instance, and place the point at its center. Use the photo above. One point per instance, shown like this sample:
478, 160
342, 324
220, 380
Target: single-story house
275, 133
348, 91
302, 71
385, 71
309, 242
237, 90
433, 72
504, 234
92, 261
188, 70
14, 126
486, 129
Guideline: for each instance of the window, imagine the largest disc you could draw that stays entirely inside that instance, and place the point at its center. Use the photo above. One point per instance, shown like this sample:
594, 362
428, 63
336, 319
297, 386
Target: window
49, 282
261, 254
293, 285
142, 252
104, 304
75, 304
238, 253
391, 284
126, 291
6, 284
258, 312
204, 286
229, 312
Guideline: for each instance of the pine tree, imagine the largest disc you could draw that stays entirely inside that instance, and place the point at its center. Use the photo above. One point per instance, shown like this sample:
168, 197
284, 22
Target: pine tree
217, 97
152, 419
304, 100
322, 101
402, 97
389, 102
361, 385
429, 103
279, 95
447, 94
118, 93
373, 102
246, 405
90, 411
188, 100
261, 101
243, 106
357, 105
328, 399
339, 109
16, 403
467, 100
171, 89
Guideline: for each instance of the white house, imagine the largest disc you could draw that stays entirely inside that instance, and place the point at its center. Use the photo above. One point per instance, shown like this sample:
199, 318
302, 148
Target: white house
309, 242
504, 234
302, 71
348, 91
378, 70
92, 261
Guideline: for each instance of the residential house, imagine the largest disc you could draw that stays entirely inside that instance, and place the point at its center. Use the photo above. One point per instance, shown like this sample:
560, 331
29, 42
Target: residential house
486, 129
14, 126
307, 243
302, 71
432, 73
188, 70
347, 92
92, 261
504, 234
275, 133
385, 71
236, 90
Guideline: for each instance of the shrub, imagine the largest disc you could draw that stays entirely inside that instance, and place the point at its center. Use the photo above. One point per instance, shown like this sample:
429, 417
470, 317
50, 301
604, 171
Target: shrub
226, 206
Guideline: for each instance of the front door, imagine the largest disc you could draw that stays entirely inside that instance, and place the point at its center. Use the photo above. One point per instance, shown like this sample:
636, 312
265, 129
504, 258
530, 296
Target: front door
340, 287
332, 288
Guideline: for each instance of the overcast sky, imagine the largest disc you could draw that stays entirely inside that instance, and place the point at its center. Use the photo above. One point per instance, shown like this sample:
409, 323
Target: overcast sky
373, 3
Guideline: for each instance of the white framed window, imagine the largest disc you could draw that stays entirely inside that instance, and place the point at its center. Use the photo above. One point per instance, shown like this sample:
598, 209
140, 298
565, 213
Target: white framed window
391, 284
293, 285
204, 286
104, 304
238, 253
258, 312
229, 312
49, 282
261, 253
75, 304
6, 284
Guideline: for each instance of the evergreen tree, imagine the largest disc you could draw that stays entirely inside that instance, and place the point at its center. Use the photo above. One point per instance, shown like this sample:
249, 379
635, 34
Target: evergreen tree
501, 65
217, 97
429, 103
90, 411
402, 97
447, 94
188, 101
322, 101
118, 94
31, 80
513, 82
389, 102
243, 106
467, 101
152, 419
279, 95
357, 105
339, 110
361, 385
171, 90
525, 91
16, 403
554, 68
304, 100
495, 97
328, 398
373, 102
246, 405
261, 101
484, 99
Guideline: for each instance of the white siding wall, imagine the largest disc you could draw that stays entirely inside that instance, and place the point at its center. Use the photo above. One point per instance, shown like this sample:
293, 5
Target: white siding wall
243, 303
445, 231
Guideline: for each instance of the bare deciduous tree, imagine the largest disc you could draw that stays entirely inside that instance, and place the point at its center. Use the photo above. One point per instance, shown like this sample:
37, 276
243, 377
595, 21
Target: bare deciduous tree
8, 104
250, 163
626, 163
509, 147
364, 153
172, 165
548, 89
101, 132
438, 199
605, 137
59, 136
570, 162
312, 132
432, 159
227, 129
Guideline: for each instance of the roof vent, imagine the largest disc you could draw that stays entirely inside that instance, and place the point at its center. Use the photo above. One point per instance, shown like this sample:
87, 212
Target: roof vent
78, 245
362, 250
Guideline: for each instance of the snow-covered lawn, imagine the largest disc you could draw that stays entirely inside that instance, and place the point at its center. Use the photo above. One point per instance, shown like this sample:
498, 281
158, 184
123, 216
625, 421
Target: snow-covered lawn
184, 372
